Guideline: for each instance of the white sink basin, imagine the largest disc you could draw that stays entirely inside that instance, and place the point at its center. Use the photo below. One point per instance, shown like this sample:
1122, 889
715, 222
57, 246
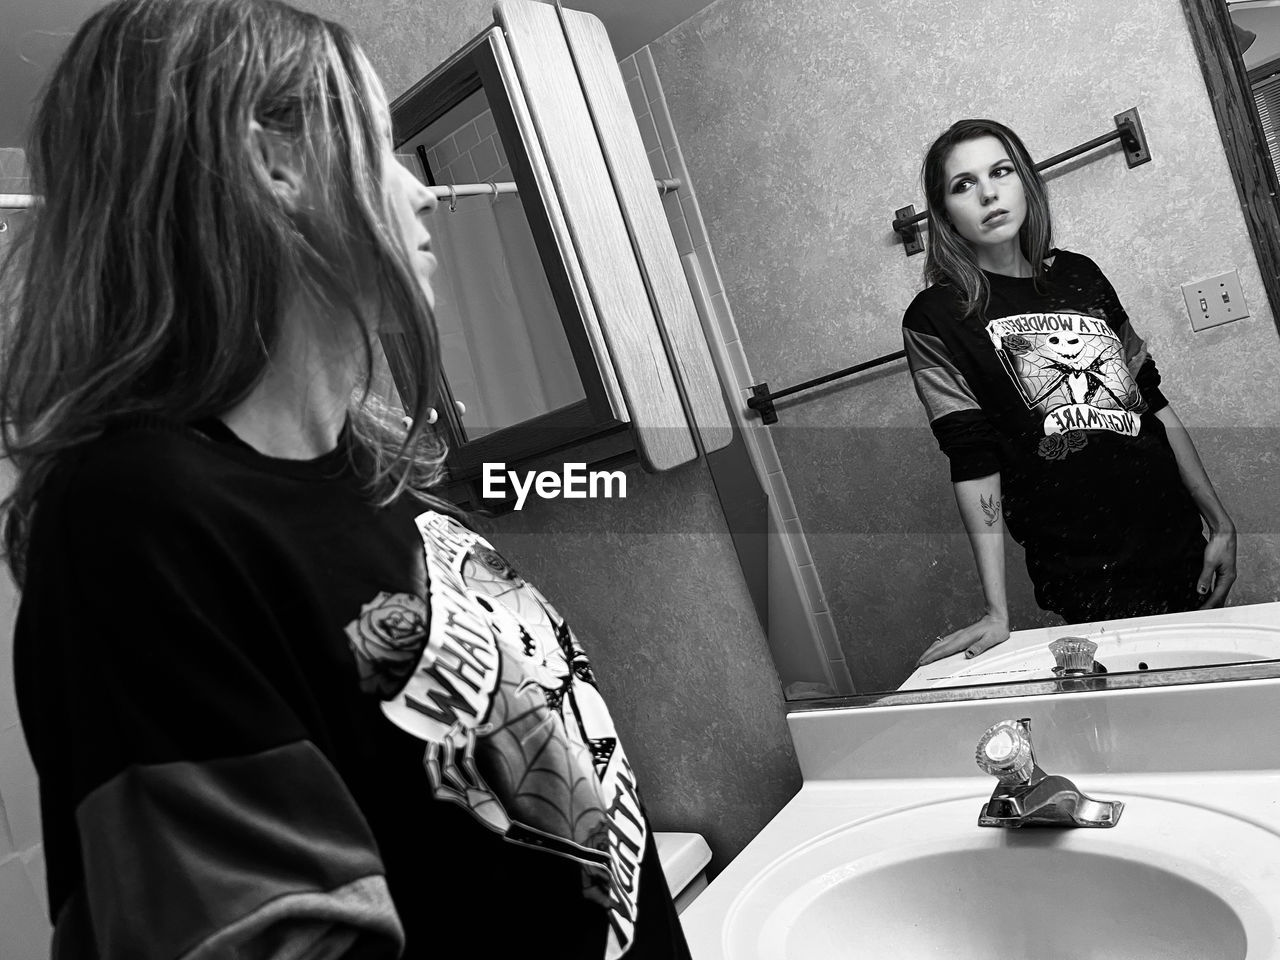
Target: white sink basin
1171, 880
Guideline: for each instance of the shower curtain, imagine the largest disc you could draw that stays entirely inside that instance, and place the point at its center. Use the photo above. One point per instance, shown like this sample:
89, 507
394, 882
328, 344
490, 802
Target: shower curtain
505, 353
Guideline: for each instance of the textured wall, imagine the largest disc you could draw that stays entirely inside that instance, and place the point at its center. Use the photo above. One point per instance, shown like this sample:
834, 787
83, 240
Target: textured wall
651, 584
804, 123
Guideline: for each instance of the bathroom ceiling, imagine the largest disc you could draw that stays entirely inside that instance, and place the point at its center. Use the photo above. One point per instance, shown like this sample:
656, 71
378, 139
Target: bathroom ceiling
34, 32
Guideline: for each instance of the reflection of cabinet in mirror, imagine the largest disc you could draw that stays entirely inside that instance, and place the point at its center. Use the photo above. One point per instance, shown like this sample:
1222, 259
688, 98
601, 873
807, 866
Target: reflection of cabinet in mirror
564, 315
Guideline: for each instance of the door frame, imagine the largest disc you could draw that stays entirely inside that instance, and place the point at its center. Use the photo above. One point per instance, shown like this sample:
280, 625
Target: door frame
1243, 139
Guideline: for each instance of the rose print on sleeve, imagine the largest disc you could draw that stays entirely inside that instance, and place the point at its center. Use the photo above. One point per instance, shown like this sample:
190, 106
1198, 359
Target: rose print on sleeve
388, 638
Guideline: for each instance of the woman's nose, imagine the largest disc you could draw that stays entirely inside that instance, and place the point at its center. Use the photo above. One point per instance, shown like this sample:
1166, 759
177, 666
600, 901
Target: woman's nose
429, 200
988, 189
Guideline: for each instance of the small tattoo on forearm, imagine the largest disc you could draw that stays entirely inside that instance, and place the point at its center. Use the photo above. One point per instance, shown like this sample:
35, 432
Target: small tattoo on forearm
991, 509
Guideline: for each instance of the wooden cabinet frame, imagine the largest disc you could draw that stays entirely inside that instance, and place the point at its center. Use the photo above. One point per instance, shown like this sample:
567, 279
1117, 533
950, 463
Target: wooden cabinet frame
1242, 137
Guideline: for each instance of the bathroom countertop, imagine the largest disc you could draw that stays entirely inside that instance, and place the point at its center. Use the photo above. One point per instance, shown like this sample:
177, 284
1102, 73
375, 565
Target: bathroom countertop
1000, 664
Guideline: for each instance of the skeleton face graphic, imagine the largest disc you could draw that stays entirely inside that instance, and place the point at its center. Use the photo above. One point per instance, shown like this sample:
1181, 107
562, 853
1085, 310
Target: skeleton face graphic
1063, 347
1069, 360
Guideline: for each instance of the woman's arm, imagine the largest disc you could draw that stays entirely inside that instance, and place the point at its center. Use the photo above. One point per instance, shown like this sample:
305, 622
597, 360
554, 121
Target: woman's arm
195, 816
979, 503
1219, 571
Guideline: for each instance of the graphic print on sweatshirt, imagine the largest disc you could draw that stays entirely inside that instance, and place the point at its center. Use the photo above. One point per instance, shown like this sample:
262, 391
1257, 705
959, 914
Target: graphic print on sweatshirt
1070, 369
504, 697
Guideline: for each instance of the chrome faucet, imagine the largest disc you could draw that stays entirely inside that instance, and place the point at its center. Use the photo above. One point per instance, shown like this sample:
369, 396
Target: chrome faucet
1028, 797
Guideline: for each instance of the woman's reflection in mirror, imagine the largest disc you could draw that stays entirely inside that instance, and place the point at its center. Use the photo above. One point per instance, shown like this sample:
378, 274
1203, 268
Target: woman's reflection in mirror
1048, 405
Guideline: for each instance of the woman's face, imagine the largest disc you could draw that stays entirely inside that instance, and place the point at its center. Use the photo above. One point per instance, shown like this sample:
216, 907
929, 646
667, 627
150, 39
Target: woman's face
410, 202
983, 193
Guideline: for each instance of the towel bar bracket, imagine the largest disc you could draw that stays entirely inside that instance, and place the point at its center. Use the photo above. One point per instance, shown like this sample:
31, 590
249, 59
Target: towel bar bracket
910, 233
761, 401
1133, 138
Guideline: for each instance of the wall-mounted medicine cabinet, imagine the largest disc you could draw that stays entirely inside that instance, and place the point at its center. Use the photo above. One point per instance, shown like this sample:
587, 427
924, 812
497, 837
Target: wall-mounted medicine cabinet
565, 320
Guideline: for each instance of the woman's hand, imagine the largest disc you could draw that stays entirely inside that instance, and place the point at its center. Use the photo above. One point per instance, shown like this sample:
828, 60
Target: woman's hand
973, 639
1219, 571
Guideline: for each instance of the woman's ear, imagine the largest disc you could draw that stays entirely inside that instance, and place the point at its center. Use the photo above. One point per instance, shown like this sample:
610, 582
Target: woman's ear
275, 159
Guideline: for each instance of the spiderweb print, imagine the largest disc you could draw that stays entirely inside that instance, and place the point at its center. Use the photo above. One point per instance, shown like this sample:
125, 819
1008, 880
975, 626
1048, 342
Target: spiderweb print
545, 776
1082, 364
516, 731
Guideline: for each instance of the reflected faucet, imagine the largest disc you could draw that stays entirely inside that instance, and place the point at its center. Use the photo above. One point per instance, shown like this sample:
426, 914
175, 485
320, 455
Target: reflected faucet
1028, 797
1074, 657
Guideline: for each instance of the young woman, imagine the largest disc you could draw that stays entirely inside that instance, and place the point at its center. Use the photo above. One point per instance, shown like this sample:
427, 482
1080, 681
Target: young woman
281, 702
1048, 405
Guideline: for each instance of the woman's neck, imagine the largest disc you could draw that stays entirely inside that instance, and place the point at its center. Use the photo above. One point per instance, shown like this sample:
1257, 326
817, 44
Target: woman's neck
1006, 260
298, 409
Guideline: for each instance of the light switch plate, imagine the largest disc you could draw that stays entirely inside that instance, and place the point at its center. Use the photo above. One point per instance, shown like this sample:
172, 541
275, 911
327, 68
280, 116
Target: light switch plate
1214, 301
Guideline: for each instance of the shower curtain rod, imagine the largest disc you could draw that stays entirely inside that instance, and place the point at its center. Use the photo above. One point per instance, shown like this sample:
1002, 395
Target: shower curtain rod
442, 191
451, 191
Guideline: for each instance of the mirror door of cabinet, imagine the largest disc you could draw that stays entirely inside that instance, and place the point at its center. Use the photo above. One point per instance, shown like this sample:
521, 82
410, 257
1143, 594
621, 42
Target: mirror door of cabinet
521, 376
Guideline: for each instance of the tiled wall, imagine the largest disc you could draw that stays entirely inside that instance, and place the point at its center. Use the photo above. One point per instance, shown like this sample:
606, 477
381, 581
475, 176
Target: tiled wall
802, 633
804, 125
13, 170
471, 154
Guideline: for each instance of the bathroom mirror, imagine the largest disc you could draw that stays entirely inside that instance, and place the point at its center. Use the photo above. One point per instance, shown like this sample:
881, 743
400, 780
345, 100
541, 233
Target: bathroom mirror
827, 131
505, 354
565, 314
520, 376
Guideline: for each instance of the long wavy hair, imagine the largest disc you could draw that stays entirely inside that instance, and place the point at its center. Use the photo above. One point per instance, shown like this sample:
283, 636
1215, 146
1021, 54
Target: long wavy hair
153, 276
949, 258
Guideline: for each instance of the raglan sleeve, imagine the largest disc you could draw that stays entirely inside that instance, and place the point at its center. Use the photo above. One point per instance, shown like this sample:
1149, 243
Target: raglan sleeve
205, 821
961, 427
1137, 357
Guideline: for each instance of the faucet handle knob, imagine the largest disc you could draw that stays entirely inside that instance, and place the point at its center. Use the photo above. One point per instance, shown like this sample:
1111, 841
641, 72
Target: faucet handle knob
1074, 655
1004, 751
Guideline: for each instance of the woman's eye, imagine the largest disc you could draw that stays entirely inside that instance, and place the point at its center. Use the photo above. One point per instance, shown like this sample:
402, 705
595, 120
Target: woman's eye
1002, 171
961, 185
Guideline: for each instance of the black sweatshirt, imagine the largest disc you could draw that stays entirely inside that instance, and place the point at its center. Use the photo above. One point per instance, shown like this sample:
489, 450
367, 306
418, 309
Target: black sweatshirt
1051, 387
264, 711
